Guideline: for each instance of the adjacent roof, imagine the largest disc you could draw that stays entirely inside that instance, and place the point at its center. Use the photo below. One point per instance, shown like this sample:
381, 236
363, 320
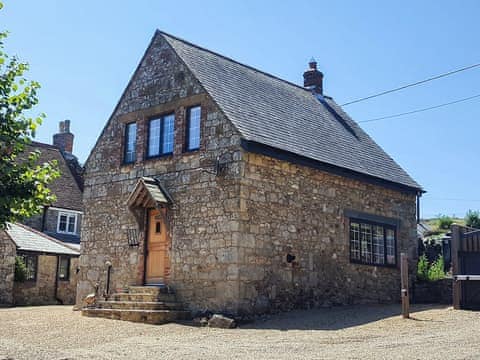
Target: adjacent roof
274, 112
148, 192
28, 239
66, 188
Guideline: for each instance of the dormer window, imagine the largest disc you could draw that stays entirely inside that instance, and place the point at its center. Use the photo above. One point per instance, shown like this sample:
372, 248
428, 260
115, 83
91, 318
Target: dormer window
160, 136
130, 143
193, 129
67, 223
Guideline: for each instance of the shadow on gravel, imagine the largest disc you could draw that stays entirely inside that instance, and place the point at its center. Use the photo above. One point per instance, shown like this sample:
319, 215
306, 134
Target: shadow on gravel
334, 318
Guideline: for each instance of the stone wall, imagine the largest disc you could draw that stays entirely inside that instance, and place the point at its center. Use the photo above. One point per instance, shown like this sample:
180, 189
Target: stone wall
7, 269
433, 292
290, 209
204, 210
42, 291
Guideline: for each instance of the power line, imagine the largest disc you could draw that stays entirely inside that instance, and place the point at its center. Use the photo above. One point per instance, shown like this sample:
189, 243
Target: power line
412, 84
421, 110
451, 199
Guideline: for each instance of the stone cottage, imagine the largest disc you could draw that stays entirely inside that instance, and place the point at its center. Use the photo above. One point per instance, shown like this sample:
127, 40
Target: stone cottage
62, 219
50, 268
241, 191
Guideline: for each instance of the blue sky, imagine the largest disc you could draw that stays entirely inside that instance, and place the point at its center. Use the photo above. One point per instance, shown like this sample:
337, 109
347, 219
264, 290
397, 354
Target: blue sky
84, 52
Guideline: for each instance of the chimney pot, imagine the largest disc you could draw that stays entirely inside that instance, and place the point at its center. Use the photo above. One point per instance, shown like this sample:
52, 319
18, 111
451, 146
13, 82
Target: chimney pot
66, 127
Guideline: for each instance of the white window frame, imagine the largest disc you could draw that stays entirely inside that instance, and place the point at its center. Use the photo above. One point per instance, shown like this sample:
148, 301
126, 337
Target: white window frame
68, 215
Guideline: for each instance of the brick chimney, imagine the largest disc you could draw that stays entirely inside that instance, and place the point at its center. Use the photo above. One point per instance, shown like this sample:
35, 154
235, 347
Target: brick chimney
313, 79
64, 138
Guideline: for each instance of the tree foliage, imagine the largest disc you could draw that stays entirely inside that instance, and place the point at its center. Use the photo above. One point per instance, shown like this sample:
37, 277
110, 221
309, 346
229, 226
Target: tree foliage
23, 182
444, 222
472, 219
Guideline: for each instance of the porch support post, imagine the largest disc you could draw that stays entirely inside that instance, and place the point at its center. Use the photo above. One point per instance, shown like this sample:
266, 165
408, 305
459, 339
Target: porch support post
455, 247
404, 281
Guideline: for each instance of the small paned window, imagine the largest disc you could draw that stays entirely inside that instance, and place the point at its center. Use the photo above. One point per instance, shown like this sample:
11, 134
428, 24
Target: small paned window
67, 223
158, 227
161, 135
31, 264
130, 143
372, 243
64, 268
193, 129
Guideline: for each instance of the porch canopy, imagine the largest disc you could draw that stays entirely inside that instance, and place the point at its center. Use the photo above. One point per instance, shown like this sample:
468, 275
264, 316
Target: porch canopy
148, 193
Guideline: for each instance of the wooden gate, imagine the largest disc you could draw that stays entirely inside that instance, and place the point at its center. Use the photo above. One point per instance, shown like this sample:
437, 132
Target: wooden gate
466, 267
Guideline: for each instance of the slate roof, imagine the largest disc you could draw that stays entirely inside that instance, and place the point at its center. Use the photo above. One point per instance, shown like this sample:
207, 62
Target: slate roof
148, 192
66, 187
285, 116
28, 239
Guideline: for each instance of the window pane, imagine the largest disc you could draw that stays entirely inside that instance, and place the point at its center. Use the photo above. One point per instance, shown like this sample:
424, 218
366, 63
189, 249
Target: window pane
355, 241
63, 268
167, 134
130, 142
154, 137
366, 242
193, 140
390, 246
62, 226
71, 224
31, 265
378, 247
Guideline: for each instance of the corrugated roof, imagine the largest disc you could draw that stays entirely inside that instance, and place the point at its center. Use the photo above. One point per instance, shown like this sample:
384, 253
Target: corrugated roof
279, 114
28, 239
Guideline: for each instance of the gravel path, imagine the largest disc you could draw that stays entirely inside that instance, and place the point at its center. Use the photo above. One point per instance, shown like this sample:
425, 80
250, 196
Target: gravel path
359, 332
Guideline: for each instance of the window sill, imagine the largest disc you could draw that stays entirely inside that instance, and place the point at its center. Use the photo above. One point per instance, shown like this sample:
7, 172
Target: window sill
391, 266
159, 157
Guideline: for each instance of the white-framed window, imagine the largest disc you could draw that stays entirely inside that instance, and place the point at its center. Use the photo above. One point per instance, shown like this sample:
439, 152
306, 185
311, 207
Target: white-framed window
67, 222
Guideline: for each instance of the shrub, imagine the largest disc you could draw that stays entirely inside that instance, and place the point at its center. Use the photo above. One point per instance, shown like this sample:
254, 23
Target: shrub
436, 270
20, 269
472, 219
444, 222
422, 268
430, 272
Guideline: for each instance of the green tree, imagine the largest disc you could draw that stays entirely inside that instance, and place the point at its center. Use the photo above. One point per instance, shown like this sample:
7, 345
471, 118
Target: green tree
444, 222
23, 182
472, 219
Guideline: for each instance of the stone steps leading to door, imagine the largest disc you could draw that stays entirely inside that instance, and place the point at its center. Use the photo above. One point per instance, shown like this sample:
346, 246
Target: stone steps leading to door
147, 304
139, 315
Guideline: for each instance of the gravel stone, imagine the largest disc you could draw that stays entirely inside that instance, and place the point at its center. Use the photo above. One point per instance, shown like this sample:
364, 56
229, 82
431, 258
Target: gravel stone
356, 332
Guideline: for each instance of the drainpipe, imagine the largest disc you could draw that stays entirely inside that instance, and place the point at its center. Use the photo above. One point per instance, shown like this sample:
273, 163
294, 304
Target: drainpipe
108, 264
419, 194
44, 218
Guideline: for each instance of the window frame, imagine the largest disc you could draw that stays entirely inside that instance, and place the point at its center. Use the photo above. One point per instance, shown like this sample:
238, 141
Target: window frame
125, 143
187, 129
24, 256
68, 215
67, 277
385, 227
161, 135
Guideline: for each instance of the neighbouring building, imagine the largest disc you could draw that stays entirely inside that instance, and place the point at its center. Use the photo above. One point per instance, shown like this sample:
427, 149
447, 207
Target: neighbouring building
49, 243
242, 191
62, 219
50, 268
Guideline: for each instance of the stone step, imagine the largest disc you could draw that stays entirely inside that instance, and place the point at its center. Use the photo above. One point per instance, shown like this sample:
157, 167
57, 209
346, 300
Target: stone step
154, 290
143, 316
143, 297
140, 305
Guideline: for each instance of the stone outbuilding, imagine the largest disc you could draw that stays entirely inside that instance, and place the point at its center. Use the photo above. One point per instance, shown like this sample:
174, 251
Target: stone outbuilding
241, 191
50, 268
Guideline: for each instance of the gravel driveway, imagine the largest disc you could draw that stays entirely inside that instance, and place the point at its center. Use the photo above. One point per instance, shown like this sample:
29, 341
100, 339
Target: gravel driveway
365, 332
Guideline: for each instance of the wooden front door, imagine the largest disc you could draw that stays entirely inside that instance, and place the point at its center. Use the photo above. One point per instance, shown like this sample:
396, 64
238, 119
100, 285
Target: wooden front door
158, 262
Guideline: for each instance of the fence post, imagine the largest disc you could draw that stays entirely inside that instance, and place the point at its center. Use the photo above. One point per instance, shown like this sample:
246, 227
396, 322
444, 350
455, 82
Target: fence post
455, 246
404, 282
